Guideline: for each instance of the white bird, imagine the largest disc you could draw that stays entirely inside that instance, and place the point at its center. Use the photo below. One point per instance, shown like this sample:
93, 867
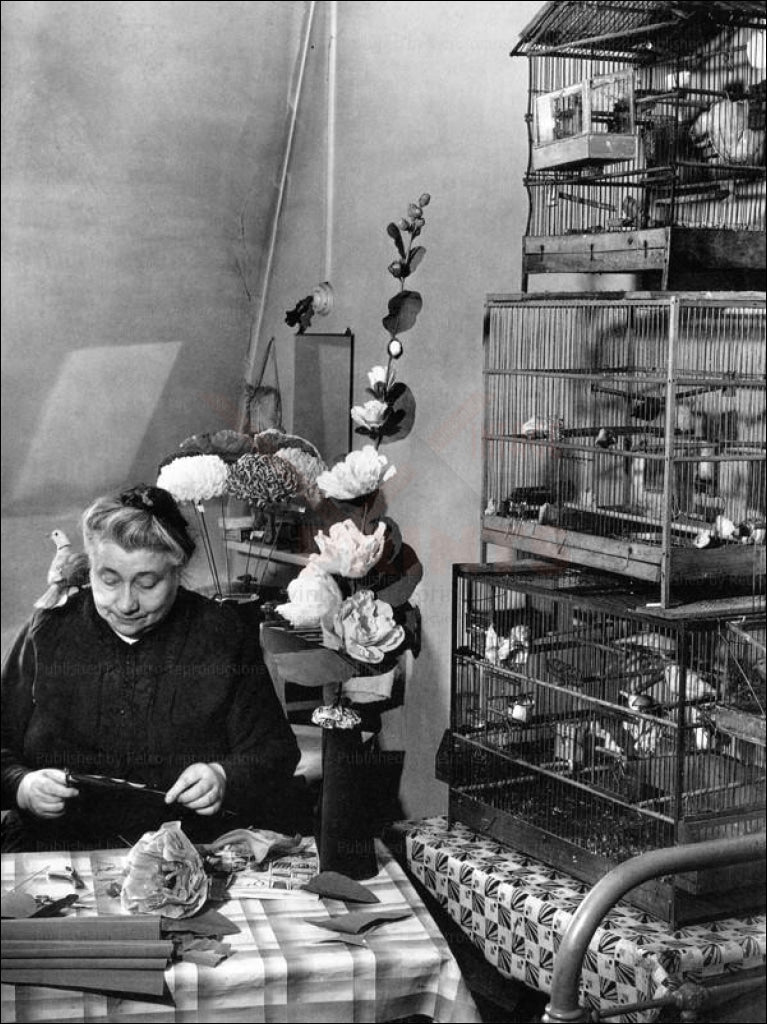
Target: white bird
65, 573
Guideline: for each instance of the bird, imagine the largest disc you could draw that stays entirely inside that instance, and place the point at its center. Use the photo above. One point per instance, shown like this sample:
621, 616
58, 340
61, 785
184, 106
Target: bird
67, 572
605, 438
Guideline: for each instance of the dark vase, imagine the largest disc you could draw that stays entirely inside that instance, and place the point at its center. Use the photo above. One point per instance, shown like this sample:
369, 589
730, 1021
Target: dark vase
344, 828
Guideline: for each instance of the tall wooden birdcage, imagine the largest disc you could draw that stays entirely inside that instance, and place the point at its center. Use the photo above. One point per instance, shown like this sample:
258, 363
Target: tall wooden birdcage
588, 727
647, 142
627, 432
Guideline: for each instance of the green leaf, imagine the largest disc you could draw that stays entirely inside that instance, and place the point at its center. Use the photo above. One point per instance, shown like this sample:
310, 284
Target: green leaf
401, 418
403, 312
394, 233
416, 255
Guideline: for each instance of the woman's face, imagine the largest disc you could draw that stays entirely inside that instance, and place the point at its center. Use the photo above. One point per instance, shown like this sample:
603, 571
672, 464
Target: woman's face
132, 590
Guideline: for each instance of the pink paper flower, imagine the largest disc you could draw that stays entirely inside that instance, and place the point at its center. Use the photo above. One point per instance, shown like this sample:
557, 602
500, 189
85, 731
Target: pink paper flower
364, 627
346, 551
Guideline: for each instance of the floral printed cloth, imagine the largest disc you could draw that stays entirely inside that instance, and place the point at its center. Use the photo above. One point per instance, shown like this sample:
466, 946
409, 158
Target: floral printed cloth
516, 910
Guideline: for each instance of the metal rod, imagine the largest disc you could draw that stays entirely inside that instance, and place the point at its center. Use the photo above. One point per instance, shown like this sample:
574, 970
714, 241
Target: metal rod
281, 188
568, 964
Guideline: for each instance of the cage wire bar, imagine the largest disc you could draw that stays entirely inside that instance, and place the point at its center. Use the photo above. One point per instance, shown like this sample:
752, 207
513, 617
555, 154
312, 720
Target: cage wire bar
586, 729
627, 432
647, 139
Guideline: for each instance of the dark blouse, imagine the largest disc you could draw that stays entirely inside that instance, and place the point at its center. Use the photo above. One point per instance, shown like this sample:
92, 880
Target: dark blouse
77, 697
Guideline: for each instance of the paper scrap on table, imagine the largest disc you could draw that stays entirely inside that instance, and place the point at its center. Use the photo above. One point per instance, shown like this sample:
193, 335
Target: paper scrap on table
352, 940
204, 922
21, 905
357, 921
335, 886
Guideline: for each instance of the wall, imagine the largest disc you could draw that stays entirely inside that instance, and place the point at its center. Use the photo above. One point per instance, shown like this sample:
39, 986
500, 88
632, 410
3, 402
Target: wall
136, 137
139, 147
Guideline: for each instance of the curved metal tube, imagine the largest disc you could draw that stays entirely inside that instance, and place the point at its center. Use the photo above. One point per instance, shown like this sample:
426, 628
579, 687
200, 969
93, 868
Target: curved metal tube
563, 1006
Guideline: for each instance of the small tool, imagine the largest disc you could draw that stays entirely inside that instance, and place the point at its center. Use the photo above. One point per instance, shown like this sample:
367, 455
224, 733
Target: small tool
68, 874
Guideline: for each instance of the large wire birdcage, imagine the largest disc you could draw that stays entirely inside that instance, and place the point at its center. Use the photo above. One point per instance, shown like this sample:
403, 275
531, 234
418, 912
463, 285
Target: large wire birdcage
587, 728
647, 139
628, 433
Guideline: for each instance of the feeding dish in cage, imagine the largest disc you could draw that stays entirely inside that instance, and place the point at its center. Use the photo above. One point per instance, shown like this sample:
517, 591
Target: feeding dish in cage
591, 122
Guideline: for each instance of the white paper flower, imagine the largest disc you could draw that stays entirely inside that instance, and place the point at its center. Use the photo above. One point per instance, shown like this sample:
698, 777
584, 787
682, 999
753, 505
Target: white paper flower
381, 380
371, 415
311, 595
194, 478
363, 627
361, 472
346, 551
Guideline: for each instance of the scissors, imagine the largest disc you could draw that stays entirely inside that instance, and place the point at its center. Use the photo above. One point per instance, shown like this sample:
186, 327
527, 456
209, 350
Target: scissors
69, 874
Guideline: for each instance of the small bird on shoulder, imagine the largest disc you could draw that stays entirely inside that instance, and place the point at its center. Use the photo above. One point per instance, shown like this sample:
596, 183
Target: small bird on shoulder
67, 573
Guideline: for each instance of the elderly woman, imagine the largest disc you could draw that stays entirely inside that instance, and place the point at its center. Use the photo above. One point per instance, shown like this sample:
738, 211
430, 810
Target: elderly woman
138, 679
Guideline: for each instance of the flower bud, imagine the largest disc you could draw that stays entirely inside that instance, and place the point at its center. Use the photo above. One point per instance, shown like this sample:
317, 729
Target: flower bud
395, 268
414, 210
394, 348
424, 199
405, 224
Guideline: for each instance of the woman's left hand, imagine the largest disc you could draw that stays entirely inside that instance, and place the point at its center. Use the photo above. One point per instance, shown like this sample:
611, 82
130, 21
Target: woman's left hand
200, 787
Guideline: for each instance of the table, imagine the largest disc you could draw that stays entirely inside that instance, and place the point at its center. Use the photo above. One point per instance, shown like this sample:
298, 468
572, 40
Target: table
516, 909
282, 968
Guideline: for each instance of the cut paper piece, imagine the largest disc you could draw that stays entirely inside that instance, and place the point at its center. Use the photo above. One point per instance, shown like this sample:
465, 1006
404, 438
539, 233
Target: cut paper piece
352, 940
206, 922
335, 886
358, 920
18, 904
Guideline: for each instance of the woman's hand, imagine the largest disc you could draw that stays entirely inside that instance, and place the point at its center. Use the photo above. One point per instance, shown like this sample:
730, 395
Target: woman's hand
200, 787
44, 793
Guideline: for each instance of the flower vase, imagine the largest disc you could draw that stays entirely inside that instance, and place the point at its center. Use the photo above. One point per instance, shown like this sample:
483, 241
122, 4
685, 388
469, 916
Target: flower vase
344, 834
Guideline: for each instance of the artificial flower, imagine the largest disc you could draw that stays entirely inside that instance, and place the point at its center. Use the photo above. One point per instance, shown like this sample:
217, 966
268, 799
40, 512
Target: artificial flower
272, 440
311, 595
229, 444
363, 627
196, 478
381, 379
308, 467
361, 473
371, 415
348, 552
262, 479
336, 716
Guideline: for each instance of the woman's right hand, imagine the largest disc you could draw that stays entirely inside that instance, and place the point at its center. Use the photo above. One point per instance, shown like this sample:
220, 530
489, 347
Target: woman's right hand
44, 793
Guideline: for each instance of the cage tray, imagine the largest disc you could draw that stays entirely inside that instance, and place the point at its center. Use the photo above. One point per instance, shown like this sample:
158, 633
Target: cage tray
662, 897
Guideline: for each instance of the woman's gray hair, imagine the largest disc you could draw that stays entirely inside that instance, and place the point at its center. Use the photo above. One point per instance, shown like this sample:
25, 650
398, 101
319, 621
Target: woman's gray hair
142, 518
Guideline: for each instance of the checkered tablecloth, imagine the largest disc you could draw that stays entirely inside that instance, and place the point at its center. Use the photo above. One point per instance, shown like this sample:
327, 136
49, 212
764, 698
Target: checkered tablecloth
282, 968
516, 910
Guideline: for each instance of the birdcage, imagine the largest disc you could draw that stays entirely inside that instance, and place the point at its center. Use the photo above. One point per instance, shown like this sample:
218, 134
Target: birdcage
627, 433
591, 122
647, 141
587, 728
